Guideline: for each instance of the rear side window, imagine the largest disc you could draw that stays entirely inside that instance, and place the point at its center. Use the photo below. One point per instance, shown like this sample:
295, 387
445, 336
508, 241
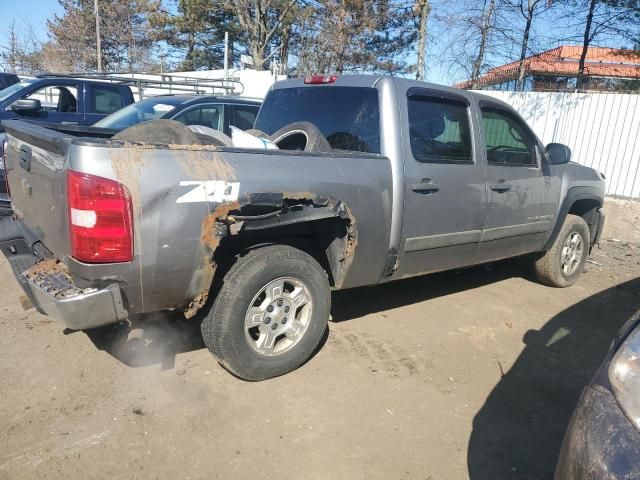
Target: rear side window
211, 116
507, 140
439, 130
348, 117
245, 116
104, 100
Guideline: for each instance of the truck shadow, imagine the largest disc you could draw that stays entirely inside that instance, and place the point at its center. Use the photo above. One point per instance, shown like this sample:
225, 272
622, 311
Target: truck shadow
166, 335
518, 431
358, 302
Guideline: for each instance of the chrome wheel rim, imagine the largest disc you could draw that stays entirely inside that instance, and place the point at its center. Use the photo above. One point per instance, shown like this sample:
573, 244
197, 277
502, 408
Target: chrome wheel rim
278, 316
571, 254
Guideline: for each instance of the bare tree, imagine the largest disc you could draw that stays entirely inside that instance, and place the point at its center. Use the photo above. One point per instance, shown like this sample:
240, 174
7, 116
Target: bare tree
22, 54
354, 36
423, 8
485, 28
262, 20
529, 9
124, 28
598, 20
472, 36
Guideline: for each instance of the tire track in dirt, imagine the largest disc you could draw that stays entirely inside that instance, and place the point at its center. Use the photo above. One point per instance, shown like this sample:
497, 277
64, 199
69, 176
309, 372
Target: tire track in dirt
380, 356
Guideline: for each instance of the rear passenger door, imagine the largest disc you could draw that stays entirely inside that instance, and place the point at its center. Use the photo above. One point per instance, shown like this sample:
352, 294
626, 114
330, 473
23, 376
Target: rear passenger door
521, 199
444, 183
100, 101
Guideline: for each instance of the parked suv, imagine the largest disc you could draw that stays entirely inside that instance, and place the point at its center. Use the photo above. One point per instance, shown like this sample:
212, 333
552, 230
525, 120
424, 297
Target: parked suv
66, 100
375, 179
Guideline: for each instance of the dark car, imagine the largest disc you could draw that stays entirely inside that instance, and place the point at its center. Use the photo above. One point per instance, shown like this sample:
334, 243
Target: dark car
219, 113
8, 79
603, 438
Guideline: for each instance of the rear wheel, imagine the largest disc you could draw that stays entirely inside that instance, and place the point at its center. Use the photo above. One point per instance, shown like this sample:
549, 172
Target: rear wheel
563, 263
270, 313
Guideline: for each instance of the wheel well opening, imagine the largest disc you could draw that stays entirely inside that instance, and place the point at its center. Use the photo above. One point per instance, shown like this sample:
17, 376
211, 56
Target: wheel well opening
587, 209
329, 241
293, 141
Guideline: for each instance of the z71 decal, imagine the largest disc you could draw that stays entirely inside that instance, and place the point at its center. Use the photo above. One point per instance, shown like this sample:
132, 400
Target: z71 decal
209, 191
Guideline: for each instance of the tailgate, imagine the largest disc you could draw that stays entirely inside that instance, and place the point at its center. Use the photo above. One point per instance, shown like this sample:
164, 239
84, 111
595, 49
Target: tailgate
36, 175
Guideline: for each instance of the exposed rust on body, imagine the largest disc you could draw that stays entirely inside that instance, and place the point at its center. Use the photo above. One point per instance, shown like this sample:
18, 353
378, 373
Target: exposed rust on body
50, 265
352, 232
214, 228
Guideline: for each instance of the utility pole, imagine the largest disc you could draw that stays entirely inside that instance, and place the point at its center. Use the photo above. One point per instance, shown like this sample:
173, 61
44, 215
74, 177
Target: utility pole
98, 48
226, 55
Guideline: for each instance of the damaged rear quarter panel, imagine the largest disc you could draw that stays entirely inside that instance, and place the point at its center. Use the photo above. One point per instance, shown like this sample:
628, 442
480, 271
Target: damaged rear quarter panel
175, 238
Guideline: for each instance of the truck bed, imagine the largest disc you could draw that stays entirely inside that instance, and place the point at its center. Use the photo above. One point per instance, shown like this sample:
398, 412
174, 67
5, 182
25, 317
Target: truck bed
184, 201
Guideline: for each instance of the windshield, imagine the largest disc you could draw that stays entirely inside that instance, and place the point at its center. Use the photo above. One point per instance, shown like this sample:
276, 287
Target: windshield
148, 109
347, 116
7, 92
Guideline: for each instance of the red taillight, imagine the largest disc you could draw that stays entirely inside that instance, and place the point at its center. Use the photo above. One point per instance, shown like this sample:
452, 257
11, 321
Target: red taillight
100, 219
320, 79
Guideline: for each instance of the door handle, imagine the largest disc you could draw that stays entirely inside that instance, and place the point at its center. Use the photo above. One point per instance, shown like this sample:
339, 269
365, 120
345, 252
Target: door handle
501, 186
69, 123
425, 186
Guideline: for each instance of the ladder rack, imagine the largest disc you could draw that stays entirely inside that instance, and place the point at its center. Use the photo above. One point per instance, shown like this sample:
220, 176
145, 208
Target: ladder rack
172, 83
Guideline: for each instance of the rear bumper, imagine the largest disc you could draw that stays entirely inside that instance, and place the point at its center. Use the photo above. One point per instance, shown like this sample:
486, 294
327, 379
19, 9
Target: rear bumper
50, 288
600, 442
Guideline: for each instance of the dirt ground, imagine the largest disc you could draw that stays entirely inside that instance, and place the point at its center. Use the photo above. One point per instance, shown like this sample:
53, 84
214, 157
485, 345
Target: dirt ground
470, 374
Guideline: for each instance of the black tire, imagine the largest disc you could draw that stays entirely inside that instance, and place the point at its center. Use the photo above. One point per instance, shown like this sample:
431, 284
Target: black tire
163, 132
257, 133
548, 268
223, 329
301, 136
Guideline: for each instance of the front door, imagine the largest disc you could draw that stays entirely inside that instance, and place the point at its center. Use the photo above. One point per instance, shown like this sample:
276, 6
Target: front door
59, 104
444, 184
521, 198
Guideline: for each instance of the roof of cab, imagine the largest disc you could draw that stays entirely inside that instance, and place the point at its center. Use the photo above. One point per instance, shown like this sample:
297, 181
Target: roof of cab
370, 81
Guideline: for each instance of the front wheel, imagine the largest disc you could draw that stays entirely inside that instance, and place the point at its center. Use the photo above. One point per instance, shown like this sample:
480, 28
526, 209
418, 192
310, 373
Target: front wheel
563, 263
270, 313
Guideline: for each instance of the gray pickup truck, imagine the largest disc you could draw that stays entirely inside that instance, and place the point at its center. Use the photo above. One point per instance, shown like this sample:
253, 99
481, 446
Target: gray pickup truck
375, 179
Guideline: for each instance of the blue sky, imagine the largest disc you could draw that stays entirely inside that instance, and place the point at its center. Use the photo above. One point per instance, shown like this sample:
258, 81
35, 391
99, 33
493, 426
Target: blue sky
24, 12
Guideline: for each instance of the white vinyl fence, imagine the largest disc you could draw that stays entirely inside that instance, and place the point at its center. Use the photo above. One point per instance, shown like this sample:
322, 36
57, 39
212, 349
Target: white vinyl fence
602, 130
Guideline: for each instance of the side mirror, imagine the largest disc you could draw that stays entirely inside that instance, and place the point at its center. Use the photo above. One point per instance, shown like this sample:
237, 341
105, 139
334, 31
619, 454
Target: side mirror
26, 105
558, 153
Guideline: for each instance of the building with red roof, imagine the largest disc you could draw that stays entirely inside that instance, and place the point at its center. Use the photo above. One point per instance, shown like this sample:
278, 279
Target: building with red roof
557, 70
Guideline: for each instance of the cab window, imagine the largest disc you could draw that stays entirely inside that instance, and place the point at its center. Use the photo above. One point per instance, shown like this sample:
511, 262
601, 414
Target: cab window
507, 140
439, 130
104, 100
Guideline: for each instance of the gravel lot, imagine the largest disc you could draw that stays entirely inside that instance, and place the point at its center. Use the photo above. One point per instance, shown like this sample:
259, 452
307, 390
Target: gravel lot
470, 374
